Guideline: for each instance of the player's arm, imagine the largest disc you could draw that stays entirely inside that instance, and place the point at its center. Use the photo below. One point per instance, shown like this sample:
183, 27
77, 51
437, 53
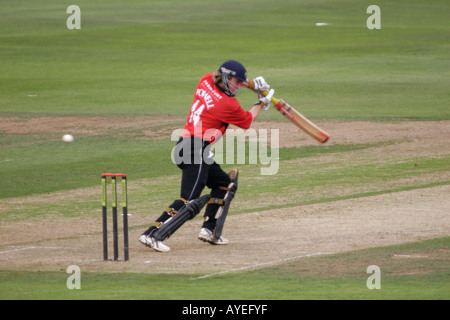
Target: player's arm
262, 104
255, 110
244, 119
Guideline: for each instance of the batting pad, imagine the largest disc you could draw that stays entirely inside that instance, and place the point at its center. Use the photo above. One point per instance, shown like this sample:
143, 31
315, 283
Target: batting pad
186, 213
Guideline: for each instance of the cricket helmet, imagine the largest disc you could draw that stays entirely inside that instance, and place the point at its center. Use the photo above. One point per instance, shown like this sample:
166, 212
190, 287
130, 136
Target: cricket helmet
232, 68
235, 69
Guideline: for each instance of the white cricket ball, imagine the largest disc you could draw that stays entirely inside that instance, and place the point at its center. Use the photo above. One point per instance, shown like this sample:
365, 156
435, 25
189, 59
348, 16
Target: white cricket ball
322, 24
67, 138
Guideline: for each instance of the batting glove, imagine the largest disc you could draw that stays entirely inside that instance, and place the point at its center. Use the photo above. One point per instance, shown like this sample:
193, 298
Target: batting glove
261, 84
265, 101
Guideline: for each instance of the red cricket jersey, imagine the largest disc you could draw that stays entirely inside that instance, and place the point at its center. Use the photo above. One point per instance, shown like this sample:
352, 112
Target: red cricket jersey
212, 111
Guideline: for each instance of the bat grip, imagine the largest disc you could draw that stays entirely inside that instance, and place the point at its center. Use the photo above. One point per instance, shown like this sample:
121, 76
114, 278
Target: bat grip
251, 85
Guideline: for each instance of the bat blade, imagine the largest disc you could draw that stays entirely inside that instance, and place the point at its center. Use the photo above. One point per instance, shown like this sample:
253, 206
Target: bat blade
295, 117
301, 121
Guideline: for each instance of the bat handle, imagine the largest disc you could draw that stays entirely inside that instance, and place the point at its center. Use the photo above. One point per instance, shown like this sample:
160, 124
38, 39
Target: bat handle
251, 85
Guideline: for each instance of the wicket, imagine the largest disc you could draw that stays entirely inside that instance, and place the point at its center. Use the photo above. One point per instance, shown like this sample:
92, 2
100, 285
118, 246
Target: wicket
114, 215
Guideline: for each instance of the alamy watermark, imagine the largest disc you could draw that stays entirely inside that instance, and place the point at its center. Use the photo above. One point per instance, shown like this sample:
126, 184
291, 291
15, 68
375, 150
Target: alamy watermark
237, 146
74, 20
374, 21
374, 281
74, 280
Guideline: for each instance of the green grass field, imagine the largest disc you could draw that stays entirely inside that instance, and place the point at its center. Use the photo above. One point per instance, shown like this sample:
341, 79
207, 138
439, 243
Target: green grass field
144, 58
293, 281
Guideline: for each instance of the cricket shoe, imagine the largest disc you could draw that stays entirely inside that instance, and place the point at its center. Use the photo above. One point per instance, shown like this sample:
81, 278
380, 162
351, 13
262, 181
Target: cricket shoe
206, 235
154, 244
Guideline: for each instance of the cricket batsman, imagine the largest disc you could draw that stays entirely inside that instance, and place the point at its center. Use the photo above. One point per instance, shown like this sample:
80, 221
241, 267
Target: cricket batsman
213, 109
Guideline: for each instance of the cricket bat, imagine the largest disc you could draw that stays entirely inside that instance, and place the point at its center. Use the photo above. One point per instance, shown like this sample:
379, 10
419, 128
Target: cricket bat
295, 117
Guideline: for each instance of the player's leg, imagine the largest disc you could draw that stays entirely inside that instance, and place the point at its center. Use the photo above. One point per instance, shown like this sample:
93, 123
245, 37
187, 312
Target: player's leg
167, 214
219, 182
193, 181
